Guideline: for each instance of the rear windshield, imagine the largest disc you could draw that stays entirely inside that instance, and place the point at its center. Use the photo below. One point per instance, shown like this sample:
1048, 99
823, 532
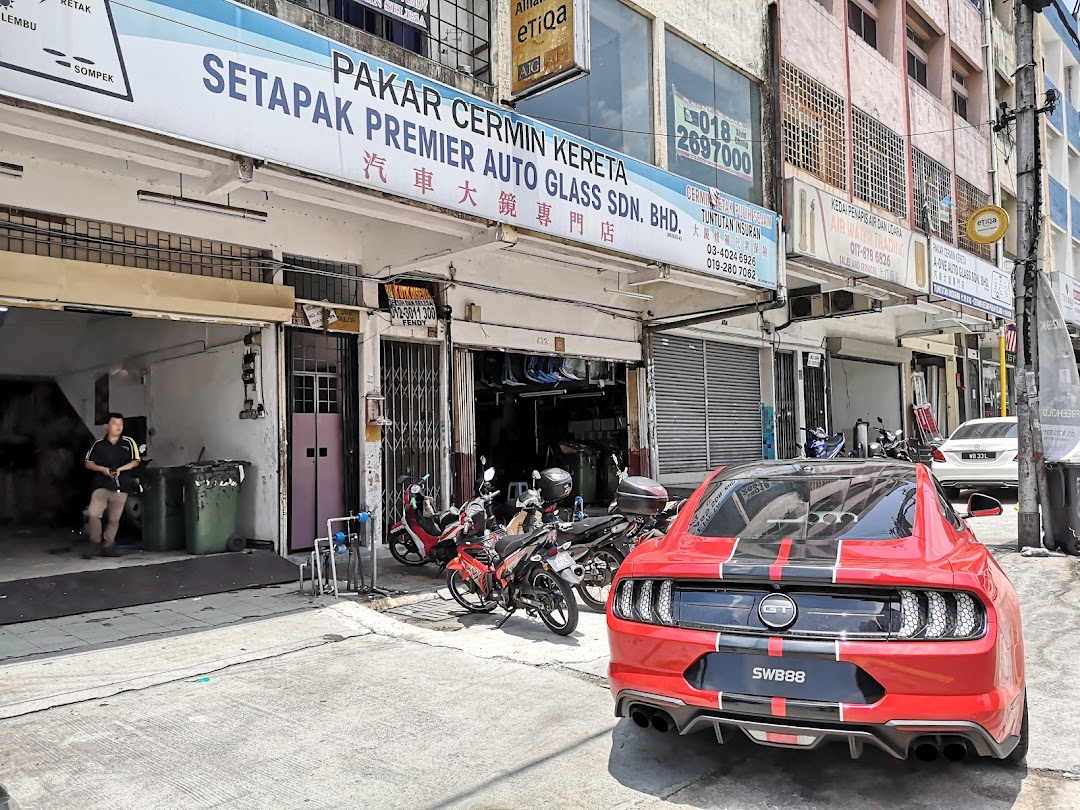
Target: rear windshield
807, 508
986, 430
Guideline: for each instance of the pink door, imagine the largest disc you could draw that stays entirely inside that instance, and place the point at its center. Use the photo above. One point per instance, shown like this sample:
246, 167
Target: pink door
317, 447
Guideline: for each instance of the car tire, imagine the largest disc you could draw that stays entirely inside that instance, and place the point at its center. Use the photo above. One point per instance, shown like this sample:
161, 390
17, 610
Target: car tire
1017, 755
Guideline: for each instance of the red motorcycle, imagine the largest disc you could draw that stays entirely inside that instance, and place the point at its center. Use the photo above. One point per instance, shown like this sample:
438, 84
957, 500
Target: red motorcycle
418, 539
517, 571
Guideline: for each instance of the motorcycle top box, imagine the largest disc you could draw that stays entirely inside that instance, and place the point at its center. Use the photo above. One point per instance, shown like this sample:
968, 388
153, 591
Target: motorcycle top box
555, 484
638, 495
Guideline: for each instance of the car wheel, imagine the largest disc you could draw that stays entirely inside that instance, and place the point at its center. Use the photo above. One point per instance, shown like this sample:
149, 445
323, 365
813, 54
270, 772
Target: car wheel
1020, 752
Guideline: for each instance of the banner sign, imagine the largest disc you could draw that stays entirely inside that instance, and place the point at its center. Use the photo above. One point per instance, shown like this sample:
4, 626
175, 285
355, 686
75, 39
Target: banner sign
220, 73
1059, 380
326, 317
549, 43
410, 306
968, 280
712, 138
1068, 296
835, 231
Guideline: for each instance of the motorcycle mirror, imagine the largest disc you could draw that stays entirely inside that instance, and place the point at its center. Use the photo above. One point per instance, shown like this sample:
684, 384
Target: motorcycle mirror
489, 474
880, 421
536, 475
483, 460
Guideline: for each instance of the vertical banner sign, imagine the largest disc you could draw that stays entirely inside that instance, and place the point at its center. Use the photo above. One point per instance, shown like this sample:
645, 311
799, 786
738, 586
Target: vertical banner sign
712, 138
1059, 381
549, 43
410, 306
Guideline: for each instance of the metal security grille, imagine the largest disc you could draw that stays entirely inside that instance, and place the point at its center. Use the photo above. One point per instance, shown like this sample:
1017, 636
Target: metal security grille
336, 282
787, 418
814, 400
84, 240
412, 445
968, 200
878, 169
933, 183
459, 37
708, 404
814, 127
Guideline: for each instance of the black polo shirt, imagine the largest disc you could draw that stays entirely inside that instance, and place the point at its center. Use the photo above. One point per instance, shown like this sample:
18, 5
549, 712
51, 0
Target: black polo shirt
113, 456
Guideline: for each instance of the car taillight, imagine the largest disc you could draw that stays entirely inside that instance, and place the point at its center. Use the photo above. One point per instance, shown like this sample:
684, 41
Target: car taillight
937, 455
650, 601
946, 615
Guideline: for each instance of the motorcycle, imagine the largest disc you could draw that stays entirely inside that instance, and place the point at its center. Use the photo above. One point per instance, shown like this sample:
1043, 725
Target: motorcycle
890, 444
820, 445
513, 572
424, 535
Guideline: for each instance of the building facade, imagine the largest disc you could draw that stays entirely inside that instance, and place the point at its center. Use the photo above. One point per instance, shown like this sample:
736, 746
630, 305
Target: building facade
321, 239
887, 141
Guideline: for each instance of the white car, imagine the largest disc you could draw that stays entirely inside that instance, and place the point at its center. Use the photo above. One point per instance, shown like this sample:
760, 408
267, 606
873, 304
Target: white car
981, 453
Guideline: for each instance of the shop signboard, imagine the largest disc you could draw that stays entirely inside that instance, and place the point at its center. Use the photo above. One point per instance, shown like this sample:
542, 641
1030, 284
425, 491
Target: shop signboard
1068, 289
549, 43
322, 315
278, 93
411, 306
837, 232
966, 279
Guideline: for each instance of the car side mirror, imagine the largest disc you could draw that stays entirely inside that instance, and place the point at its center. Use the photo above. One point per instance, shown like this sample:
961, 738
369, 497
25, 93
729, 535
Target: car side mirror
980, 505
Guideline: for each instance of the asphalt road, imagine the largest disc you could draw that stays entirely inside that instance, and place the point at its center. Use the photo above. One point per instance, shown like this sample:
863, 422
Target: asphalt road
344, 707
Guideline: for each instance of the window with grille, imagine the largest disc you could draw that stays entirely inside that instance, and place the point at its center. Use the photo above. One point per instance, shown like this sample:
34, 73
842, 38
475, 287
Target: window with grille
459, 36
862, 20
968, 200
84, 240
964, 83
321, 280
878, 174
814, 127
933, 183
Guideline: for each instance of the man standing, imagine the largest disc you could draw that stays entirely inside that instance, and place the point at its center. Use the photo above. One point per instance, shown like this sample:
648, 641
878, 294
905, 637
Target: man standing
111, 460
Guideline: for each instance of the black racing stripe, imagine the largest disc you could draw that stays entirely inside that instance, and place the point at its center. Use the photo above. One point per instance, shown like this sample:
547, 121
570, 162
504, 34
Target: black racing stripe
810, 710
809, 561
792, 647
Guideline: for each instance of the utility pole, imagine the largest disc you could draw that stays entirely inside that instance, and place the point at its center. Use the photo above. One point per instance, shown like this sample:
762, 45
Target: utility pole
1032, 477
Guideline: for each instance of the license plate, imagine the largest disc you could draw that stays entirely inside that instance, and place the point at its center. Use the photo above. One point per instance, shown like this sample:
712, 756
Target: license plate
562, 560
977, 456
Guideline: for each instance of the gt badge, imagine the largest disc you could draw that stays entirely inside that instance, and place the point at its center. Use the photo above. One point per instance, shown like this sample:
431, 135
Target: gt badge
777, 611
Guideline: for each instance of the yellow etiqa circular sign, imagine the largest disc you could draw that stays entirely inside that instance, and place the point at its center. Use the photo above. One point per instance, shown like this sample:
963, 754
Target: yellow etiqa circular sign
988, 224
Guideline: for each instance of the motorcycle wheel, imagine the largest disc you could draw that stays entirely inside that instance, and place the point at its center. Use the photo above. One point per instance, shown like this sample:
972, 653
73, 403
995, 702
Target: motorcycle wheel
562, 619
600, 566
403, 549
466, 595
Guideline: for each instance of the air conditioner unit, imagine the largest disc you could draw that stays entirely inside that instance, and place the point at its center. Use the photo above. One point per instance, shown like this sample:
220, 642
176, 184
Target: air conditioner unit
845, 302
809, 306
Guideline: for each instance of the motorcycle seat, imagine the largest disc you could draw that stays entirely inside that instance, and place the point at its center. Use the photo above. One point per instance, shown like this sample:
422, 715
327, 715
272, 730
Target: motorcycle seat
428, 526
589, 525
509, 544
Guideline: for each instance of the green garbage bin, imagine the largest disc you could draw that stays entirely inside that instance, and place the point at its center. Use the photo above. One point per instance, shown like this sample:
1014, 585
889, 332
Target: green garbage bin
211, 504
162, 508
581, 462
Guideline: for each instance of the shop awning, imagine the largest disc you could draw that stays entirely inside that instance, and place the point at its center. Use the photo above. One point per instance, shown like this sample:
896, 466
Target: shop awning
65, 282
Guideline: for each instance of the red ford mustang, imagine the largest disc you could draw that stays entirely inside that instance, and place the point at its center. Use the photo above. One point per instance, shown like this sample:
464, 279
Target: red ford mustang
806, 601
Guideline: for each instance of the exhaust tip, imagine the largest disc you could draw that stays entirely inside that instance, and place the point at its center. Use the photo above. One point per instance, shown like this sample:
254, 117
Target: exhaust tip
639, 717
926, 752
661, 723
955, 751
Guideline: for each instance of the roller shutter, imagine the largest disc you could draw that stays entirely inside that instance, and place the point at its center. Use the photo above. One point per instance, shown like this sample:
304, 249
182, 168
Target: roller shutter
708, 404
